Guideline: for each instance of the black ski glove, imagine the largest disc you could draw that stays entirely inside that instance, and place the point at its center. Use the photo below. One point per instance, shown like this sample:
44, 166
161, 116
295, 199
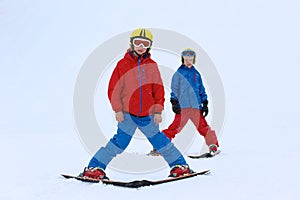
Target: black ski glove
175, 106
205, 108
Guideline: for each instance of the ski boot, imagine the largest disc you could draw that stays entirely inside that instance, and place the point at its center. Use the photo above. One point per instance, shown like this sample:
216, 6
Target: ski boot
180, 170
213, 149
94, 173
153, 152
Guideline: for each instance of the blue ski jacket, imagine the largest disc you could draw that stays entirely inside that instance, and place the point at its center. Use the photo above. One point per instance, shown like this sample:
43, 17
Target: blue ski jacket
187, 88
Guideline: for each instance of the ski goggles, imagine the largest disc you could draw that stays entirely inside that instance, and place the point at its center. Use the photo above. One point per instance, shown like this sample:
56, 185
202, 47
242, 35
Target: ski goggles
137, 42
188, 53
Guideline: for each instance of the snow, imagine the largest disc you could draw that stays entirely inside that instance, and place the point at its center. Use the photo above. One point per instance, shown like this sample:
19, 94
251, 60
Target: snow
254, 45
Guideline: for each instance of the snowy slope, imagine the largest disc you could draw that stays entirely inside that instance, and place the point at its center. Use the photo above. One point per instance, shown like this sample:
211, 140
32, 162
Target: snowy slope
236, 174
254, 45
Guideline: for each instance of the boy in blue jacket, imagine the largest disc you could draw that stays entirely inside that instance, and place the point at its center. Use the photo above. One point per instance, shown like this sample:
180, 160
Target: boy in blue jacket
189, 101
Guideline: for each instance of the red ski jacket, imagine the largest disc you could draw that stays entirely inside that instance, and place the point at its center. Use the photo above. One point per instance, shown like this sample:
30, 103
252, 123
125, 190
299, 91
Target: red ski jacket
136, 86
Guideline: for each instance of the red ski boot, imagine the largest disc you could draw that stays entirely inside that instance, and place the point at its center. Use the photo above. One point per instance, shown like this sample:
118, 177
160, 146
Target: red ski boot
213, 150
94, 173
180, 170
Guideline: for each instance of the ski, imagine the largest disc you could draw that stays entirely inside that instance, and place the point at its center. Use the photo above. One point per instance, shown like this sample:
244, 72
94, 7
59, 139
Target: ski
205, 155
135, 183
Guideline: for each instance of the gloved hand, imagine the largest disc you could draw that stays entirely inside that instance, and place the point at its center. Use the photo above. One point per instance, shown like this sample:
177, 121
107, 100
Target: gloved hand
175, 106
205, 108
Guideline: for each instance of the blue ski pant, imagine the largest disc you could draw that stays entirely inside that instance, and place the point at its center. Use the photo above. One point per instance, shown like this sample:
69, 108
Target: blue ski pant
118, 143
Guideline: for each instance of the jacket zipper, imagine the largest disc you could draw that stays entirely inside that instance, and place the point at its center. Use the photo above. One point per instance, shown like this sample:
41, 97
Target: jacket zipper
140, 82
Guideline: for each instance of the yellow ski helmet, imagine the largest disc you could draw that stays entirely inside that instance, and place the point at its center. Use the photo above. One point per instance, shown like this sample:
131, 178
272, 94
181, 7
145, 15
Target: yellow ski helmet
141, 33
188, 52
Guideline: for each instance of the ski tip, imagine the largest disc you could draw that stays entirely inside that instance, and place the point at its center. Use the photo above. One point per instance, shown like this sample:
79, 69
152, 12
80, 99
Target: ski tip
205, 155
198, 156
67, 176
203, 172
194, 157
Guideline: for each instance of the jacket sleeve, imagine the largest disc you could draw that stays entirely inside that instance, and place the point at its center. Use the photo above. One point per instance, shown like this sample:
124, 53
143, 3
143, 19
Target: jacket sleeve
175, 86
202, 93
158, 91
115, 88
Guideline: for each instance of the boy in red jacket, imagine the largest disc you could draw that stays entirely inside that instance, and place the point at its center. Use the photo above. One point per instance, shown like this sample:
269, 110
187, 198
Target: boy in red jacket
136, 94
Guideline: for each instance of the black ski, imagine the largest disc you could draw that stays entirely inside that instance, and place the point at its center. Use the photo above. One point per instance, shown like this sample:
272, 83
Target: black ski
205, 155
136, 183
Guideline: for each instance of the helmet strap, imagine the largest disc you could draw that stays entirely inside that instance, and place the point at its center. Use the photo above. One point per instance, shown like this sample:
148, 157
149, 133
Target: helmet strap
136, 53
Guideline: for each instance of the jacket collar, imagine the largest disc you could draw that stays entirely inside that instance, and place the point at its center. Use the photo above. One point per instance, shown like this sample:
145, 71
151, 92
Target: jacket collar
186, 67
